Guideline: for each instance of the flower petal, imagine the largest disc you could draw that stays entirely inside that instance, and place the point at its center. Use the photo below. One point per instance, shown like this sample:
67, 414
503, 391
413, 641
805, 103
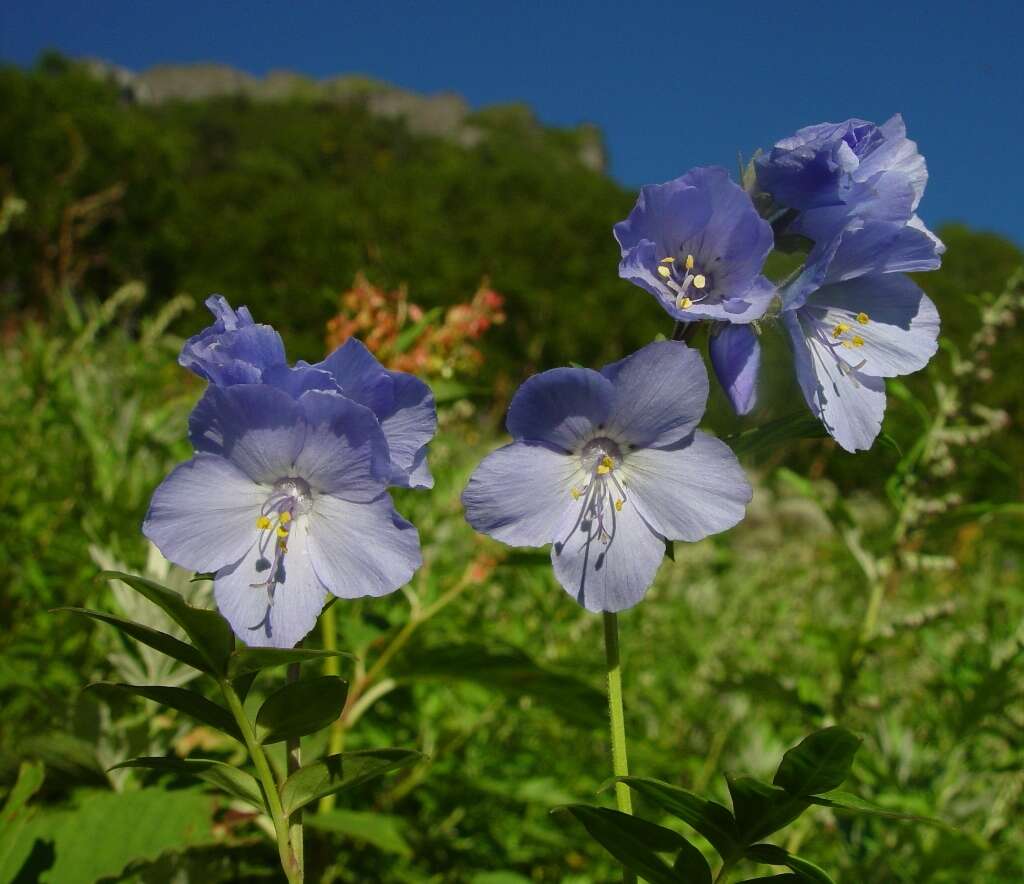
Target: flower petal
298, 380
900, 327
258, 428
609, 575
361, 549
660, 393
233, 350
360, 376
688, 491
344, 452
519, 494
736, 356
408, 427
560, 407
403, 403
280, 618
850, 404
203, 515
665, 215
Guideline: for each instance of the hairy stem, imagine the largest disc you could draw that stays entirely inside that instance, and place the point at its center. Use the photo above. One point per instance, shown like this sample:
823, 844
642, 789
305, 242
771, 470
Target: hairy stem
620, 762
289, 864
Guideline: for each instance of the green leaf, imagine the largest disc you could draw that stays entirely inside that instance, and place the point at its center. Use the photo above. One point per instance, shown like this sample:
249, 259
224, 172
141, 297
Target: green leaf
786, 878
839, 800
795, 426
245, 660
709, 818
160, 641
508, 670
207, 630
408, 336
631, 840
232, 780
182, 699
300, 708
15, 848
108, 831
243, 684
761, 809
771, 855
379, 829
691, 865
338, 772
819, 763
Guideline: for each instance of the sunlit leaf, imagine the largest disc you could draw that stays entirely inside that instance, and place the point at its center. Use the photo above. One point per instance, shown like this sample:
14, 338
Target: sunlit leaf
207, 630
155, 639
336, 773
230, 779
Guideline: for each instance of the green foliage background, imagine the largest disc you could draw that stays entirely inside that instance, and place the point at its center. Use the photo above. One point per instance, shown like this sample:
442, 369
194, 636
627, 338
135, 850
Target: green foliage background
118, 219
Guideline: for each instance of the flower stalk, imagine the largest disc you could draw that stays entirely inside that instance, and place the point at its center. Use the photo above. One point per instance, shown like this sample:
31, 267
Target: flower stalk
290, 863
620, 760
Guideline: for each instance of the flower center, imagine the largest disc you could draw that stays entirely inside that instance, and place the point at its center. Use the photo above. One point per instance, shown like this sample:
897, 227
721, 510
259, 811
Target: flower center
290, 497
600, 460
684, 277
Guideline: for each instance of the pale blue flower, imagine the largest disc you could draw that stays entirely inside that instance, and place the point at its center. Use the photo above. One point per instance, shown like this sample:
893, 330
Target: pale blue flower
606, 466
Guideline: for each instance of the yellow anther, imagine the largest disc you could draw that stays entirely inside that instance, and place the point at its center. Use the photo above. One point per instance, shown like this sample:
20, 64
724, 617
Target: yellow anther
664, 272
857, 341
263, 523
282, 532
605, 466
689, 262
684, 303
863, 318
618, 505
285, 518
841, 329
668, 260
699, 281
576, 493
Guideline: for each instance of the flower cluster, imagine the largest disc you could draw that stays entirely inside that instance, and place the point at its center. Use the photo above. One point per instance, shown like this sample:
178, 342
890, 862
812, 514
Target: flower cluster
850, 192
286, 497
404, 336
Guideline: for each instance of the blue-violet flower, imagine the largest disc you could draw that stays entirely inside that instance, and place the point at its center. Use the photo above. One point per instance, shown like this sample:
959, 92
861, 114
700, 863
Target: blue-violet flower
236, 350
285, 501
698, 245
605, 466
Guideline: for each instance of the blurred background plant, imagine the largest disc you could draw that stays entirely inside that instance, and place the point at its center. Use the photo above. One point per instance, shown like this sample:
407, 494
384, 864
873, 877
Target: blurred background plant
882, 591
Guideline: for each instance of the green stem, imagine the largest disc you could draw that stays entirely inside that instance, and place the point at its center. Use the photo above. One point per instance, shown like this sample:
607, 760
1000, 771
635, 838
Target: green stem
620, 762
294, 755
724, 871
332, 666
267, 781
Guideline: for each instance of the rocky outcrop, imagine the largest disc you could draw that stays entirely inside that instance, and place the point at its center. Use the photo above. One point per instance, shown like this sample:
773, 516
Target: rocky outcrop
442, 115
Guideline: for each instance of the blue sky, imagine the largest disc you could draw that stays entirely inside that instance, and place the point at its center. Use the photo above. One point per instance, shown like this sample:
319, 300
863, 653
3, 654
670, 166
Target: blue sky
672, 85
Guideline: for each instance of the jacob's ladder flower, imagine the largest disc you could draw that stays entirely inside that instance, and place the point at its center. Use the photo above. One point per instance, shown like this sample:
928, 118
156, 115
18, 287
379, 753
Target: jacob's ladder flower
606, 466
